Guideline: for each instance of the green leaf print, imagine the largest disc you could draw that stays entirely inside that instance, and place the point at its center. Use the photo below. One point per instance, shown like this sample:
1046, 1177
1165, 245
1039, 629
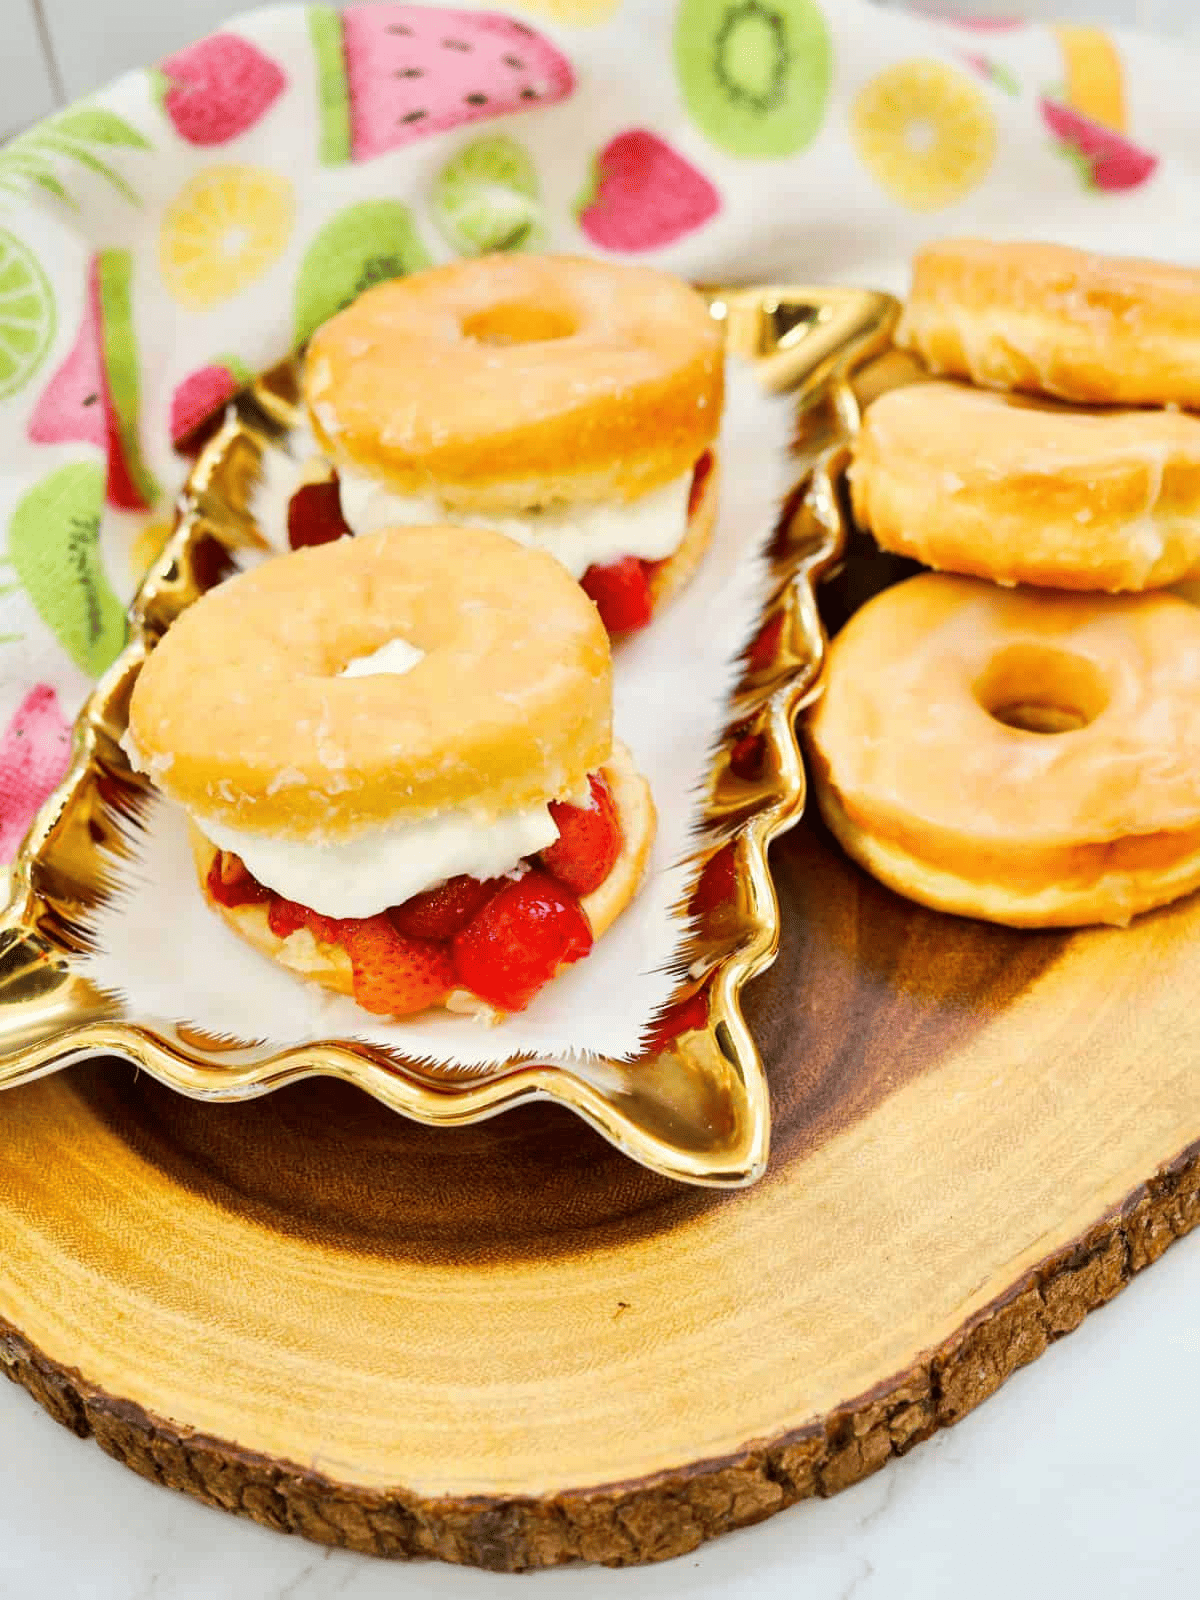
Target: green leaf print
35, 157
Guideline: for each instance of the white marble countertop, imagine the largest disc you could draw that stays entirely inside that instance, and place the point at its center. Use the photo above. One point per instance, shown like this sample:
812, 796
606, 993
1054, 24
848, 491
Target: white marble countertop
1078, 1478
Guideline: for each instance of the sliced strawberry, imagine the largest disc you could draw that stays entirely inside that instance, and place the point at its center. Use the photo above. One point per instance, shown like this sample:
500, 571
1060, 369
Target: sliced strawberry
700, 474
286, 916
442, 912
621, 593
589, 839
395, 976
230, 884
519, 941
315, 515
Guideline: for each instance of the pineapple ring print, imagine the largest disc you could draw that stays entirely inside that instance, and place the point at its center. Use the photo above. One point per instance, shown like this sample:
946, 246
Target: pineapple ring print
925, 132
223, 230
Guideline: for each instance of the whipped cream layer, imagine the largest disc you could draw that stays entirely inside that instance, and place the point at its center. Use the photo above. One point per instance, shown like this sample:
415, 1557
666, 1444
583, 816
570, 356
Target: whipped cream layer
580, 536
385, 866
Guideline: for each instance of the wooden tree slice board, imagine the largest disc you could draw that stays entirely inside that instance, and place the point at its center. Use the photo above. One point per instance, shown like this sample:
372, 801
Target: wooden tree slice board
509, 1346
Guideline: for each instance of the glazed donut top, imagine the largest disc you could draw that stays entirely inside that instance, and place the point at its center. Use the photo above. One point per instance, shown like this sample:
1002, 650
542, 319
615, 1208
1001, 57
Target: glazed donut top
513, 381
240, 714
917, 680
1109, 330
1029, 491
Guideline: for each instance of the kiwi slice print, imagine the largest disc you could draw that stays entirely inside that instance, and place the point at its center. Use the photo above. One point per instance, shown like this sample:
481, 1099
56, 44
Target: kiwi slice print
755, 73
366, 244
53, 541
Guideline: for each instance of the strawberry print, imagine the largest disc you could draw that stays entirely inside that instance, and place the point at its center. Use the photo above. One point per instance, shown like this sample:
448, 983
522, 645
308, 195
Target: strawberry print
35, 749
217, 89
644, 196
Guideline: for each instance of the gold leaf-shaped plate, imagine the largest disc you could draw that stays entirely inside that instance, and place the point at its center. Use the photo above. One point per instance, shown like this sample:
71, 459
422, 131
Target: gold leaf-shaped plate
696, 1109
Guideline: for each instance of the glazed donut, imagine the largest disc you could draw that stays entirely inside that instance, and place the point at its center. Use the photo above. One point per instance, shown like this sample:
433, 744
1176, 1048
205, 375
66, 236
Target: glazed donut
1019, 756
1108, 330
364, 729
571, 404
1023, 491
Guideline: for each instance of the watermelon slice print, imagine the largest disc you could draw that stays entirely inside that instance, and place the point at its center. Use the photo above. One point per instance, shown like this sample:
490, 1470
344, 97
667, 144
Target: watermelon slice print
643, 195
1106, 160
35, 750
388, 75
204, 392
93, 397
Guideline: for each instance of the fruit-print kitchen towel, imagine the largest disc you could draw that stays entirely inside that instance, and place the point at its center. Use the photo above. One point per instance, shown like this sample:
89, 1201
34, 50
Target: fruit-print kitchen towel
193, 222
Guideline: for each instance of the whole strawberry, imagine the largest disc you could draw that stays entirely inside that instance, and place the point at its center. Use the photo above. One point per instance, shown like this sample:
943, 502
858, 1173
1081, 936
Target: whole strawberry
644, 196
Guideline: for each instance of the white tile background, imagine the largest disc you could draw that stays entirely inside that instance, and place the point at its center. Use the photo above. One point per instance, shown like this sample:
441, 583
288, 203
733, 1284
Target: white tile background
51, 50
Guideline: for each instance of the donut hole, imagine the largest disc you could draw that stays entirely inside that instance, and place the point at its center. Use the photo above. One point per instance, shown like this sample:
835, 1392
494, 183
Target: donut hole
518, 323
1038, 689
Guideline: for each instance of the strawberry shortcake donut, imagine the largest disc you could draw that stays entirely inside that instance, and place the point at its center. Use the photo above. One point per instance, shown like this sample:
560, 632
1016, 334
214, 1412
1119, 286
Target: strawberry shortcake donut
397, 787
570, 404
1022, 756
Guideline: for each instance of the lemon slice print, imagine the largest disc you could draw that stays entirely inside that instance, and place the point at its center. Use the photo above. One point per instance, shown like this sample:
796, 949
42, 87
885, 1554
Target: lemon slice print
27, 317
222, 231
925, 132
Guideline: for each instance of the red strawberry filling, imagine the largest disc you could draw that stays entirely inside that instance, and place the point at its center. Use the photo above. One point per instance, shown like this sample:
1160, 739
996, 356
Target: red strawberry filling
620, 590
502, 939
589, 840
521, 938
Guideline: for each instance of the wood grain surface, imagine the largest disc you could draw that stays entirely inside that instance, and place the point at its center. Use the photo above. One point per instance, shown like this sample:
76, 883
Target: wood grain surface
509, 1346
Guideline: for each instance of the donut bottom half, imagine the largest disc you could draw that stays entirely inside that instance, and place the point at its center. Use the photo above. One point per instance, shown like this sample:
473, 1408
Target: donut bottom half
681, 566
1109, 882
329, 965
671, 575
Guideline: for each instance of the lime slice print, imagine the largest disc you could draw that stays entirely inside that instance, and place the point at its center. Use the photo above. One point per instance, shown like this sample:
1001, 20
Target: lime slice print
487, 198
224, 229
27, 319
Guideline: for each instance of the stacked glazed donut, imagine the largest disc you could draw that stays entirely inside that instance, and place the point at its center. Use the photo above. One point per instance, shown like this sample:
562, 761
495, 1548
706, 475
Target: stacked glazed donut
570, 404
1019, 739
395, 750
